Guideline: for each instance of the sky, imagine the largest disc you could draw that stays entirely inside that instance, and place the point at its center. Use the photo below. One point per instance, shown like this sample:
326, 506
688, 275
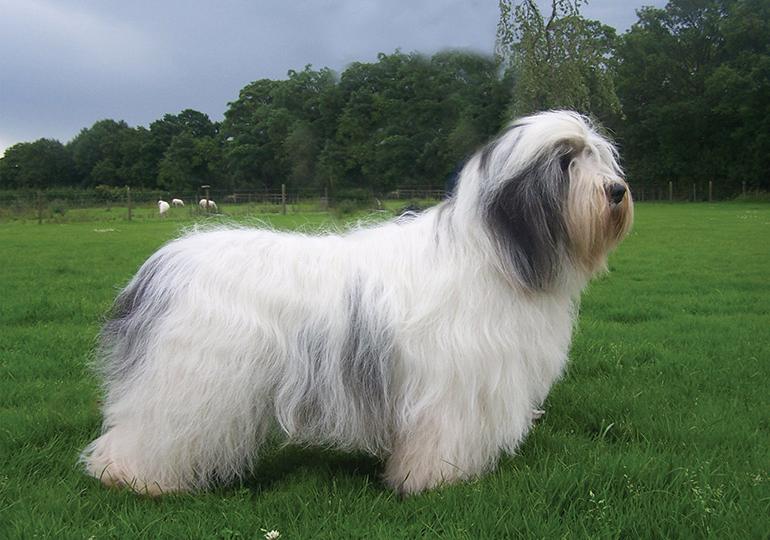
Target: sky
65, 64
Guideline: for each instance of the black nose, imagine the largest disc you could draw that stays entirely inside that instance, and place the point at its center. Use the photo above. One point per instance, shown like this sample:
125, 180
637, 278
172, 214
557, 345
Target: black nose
616, 192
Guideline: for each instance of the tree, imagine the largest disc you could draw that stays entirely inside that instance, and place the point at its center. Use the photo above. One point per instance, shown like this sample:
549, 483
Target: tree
397, 114
195, 124
476, 99
138, 163
99, 153
301, 150
41, 164
738, 94
188, 162
271, 120
564, 61
404, 120
694, 81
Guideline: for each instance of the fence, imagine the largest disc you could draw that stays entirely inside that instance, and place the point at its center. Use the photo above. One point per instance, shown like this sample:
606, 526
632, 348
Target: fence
129, 203
125, 203
703, 191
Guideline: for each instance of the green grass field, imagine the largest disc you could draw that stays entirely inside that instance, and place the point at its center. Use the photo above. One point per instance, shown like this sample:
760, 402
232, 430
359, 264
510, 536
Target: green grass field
661, 427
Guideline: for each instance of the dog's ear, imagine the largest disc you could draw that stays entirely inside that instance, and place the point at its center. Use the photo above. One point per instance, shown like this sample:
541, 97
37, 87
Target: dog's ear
526, 218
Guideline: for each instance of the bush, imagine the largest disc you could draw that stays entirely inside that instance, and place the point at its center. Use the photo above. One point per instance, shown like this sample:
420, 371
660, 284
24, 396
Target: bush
349, 201
58, 207
107, 193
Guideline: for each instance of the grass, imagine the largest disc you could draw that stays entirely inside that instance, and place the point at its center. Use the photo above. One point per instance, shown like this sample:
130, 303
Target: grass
659, 429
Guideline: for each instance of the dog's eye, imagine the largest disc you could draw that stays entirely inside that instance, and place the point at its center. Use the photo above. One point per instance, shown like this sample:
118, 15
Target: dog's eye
564, 161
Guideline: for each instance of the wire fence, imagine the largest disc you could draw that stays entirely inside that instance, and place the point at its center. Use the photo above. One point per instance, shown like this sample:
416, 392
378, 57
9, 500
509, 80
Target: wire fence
129, 203
702, 191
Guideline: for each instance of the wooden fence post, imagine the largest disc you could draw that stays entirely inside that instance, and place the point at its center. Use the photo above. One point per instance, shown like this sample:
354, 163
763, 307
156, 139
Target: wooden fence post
128, 201
283, 199
208, 204
711, 190
694, 197
670, 191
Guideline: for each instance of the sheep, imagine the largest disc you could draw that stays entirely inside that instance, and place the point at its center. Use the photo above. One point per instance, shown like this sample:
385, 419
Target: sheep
211, 204
177, 202
163, 207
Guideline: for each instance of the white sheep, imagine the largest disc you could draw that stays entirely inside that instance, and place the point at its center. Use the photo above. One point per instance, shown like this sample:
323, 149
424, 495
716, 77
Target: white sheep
163, 207
177, 202
212, 204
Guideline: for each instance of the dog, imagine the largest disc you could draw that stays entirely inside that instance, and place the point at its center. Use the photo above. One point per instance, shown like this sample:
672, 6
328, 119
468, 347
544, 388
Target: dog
430, 341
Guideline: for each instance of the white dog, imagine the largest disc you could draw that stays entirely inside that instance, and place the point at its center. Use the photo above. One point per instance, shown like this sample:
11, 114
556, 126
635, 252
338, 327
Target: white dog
429, 341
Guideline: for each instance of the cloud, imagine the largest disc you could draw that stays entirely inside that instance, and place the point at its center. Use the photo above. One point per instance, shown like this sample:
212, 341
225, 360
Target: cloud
64, 66
56, 37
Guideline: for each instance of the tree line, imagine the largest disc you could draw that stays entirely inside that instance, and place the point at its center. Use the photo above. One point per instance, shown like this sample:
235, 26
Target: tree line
685, 92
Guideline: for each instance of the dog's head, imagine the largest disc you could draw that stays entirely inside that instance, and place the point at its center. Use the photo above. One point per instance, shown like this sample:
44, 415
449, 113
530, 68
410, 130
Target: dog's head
553, 197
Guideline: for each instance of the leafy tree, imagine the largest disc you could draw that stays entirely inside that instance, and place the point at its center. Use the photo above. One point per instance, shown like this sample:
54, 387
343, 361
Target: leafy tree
737, 93
301, 150
694, 81
38, 164
188, 162
563, 61
397, 114
112, 153
404, 120
195, 124
138, 166
97, 153
272, 132
476, 99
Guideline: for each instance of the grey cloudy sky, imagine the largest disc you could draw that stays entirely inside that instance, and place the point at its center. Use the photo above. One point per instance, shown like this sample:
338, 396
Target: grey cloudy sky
68, 63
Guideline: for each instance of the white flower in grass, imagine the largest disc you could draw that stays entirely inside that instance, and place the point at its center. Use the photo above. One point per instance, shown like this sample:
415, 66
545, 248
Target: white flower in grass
272, 535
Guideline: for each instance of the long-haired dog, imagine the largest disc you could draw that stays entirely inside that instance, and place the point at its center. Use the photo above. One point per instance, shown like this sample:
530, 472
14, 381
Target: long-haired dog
428, 341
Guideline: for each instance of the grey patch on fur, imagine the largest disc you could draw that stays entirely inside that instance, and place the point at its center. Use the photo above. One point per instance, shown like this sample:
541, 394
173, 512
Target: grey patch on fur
366, 357
343, 392
309, 412
526, 218
123, 339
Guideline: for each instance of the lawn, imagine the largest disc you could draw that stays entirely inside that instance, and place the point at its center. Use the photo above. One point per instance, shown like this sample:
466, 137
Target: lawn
661, 427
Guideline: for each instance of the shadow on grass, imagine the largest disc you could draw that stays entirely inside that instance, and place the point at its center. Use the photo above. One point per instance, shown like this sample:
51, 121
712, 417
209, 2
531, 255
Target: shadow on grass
281, 463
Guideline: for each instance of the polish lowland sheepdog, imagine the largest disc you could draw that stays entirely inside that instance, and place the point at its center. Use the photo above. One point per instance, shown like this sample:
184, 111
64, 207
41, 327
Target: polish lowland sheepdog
429, 341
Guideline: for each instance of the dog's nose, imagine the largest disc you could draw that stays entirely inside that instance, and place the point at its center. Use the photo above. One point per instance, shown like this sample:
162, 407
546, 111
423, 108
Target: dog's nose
616, 192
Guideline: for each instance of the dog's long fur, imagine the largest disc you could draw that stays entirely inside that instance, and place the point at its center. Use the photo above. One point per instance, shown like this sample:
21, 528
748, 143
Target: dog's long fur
427, 341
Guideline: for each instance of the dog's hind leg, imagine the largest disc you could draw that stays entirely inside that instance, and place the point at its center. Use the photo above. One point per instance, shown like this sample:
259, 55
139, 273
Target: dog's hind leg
190, 417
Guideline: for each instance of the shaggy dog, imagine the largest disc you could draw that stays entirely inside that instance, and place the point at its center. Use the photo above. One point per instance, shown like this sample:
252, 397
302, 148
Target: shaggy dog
429, 341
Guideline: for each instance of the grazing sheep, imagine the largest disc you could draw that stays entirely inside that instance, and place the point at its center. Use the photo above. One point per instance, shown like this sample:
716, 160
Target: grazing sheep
212, 204
163, 207
177, 202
